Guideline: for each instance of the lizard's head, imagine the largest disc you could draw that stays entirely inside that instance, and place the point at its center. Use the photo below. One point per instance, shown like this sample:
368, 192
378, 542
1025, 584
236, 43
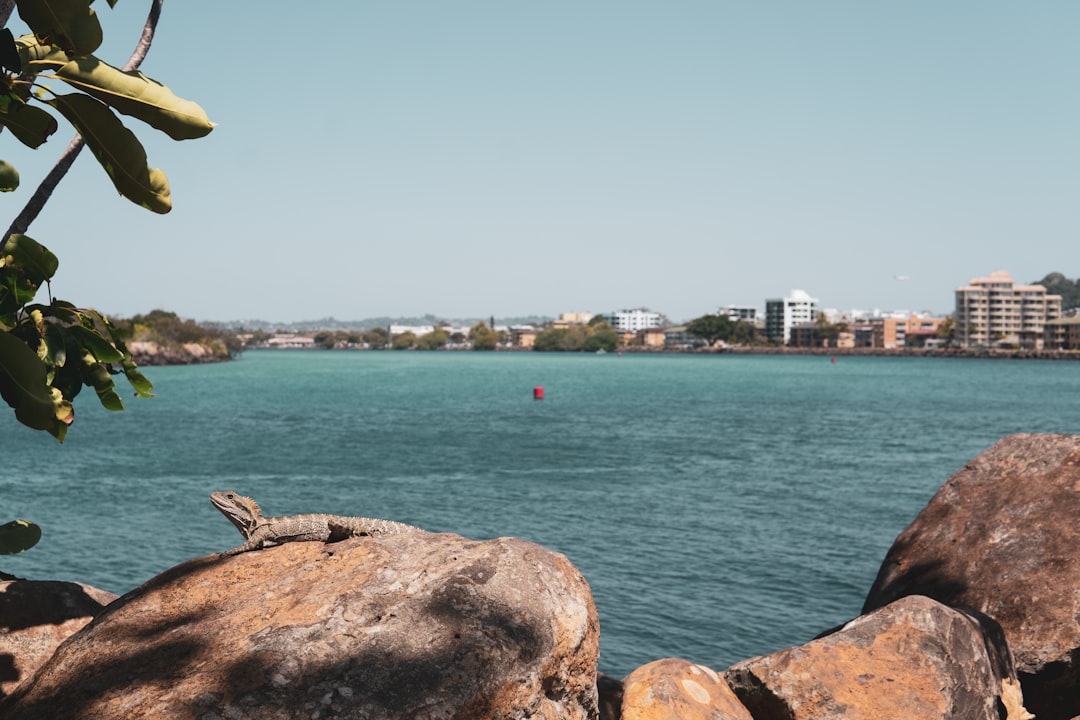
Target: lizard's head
243, 512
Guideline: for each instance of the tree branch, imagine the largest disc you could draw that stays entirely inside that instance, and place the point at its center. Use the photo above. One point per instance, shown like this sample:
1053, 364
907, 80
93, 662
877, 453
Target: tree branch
6, 6
45, 190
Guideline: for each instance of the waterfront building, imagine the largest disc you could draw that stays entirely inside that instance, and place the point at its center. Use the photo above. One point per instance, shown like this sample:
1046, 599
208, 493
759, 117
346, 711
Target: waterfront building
994, 310
916, 330
634, 320
736, 313
567, 319
677, 338
1062, 334
782, 314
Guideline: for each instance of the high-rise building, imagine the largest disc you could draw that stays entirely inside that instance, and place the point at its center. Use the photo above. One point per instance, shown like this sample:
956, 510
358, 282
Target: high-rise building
995, 311
781, 314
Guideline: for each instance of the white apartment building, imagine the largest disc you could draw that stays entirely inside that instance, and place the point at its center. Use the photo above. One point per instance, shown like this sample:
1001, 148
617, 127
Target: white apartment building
994, 310
736, 313
634, 320
781, 314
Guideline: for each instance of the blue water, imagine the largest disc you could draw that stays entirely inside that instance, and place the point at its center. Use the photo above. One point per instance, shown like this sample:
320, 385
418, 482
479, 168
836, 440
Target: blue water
720, 506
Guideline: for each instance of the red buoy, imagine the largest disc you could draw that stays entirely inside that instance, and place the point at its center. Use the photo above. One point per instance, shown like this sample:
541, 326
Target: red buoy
538, 393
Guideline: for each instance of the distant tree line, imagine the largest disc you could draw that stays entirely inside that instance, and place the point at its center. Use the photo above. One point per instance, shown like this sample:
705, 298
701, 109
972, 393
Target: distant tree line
597, 335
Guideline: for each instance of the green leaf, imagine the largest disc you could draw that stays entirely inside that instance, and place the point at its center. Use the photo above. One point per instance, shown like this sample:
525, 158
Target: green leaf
134, 94
143, 387
36, 57
24, 267
118, 151
69, 24
96, 376
9, 54
18, 536
28, 123
32, 259
23, 387
9, 176
92, 342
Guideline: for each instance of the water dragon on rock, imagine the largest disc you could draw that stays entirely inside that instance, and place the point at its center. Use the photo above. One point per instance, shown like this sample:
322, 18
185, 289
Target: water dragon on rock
260, 532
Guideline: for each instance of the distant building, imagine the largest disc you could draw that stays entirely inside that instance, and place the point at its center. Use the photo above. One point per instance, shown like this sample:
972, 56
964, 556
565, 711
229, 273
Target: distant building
736, 314
572, 318
916, 330
632, 321
782, 314
677, 338
995, 311
1062, 334
523, 336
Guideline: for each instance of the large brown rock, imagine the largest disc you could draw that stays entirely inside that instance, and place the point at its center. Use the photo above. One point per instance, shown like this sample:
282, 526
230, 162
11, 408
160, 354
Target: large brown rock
408, 626
35, 617
1002, 536
914, 659
676, 689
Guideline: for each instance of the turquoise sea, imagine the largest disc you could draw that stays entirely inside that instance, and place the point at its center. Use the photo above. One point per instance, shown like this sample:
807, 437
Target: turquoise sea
720, 506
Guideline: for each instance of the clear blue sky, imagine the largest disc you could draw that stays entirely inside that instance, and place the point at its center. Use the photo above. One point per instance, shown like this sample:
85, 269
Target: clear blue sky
475, 158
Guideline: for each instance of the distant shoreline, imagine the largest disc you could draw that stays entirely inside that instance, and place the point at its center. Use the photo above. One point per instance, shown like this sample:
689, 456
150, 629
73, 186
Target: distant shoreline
767, 350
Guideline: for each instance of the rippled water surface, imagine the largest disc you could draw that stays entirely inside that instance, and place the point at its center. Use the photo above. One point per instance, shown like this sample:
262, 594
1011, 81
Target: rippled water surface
720, 506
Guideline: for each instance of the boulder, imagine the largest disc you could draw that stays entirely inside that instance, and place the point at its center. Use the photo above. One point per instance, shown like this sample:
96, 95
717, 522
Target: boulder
417, 626
676, 689
1001, 536
914, 659
609, 697
35, 617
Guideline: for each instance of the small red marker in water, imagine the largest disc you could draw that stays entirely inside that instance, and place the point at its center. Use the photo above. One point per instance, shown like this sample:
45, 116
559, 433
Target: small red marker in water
834, 361
538, 392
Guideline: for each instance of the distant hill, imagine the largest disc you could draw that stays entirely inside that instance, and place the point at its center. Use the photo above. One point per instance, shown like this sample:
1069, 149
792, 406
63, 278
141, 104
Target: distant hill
1069, 290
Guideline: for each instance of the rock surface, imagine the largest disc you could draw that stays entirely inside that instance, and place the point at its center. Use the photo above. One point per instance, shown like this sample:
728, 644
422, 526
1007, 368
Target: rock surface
35, 617
406, 626
1002, 537
914, 659
676, 689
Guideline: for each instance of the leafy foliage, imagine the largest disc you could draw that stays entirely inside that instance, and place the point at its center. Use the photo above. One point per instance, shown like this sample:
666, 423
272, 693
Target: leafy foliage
578, 338
715, 328
50, 350
1069, 290
483, 337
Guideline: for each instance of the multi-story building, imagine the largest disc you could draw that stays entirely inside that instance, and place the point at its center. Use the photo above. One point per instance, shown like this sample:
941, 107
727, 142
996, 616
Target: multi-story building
1062, 334
736, 313
995, 311
633, 320
782, 314
567, 319
916, 330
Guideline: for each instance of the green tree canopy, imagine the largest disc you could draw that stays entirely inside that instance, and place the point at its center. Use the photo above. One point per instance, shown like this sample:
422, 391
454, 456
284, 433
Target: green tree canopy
403, 341
433, 340
483, 337
1057, 284
712, 328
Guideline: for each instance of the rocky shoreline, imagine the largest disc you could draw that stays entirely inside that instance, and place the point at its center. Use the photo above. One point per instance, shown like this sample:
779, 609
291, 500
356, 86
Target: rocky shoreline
974, 615
149, 353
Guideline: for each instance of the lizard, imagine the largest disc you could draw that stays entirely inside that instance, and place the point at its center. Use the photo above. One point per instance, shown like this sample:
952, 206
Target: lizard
260, 531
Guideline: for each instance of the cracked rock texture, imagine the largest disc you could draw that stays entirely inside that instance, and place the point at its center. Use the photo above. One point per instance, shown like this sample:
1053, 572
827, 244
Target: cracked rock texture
1002, 536
417, 626
914, 659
